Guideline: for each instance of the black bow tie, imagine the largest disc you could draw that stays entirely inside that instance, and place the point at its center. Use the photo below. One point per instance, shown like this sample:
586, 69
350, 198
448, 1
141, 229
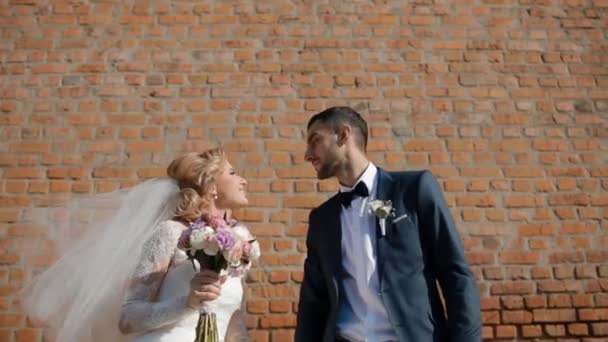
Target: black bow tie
359, 190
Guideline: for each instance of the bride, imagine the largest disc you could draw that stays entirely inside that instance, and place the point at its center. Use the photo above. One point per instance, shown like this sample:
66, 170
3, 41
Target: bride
126, 279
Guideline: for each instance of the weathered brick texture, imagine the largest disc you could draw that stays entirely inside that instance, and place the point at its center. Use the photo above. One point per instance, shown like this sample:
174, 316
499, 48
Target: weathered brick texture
505, 101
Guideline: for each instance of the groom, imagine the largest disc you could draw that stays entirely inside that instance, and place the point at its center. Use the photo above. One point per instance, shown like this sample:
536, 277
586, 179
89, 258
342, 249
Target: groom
373, 279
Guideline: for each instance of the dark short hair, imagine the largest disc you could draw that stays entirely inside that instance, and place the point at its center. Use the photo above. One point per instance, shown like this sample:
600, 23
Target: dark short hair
337, 116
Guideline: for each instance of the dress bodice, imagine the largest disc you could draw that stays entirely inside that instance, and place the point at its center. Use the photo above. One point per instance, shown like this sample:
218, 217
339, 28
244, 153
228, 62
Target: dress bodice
156, 302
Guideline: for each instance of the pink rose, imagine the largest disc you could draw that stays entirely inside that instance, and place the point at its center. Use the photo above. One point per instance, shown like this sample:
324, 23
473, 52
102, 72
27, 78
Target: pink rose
246, 248
216, 222
234, 254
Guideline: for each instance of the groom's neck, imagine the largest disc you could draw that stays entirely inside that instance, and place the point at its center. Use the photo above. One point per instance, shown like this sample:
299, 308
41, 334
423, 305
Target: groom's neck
353, 167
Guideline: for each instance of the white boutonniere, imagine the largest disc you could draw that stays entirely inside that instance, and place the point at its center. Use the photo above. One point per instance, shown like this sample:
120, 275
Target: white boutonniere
382, 210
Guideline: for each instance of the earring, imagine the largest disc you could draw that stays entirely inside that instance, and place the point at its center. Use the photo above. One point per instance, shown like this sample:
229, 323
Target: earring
215, 196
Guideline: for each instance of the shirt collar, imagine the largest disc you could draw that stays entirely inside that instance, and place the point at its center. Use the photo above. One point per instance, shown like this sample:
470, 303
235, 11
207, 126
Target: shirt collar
368, 177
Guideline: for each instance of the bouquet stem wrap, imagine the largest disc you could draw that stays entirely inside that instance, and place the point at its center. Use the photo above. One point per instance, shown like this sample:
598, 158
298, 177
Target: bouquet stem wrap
220, 245
206, 329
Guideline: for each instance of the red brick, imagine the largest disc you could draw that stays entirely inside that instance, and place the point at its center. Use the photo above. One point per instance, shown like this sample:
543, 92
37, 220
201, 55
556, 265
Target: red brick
535, 301
257, 307
23, 173
555, 330
480, 258
583, 300
10, 320
177, 19
423, 145
578, 329
27, 335
566, 257
480, 172
145, 146
516, 317
512, 288
554, 315
509, 258
533, 229
487, 332
506, 331
600, 329
15, 186
277, 277
530, 331
593, 314
490, 317
482, 201
282, 335
559, 301
523, 201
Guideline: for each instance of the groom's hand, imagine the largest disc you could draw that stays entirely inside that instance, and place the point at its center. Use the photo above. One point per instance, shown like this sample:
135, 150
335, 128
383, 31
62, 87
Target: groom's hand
204, 286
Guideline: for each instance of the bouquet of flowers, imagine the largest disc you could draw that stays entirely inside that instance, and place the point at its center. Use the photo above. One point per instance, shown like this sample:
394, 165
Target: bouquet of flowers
218, 244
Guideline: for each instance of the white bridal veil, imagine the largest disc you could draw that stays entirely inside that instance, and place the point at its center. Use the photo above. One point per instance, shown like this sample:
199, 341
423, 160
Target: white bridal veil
99, 240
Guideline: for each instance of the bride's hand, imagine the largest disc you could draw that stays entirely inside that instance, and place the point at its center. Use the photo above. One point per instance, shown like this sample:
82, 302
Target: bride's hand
204, 286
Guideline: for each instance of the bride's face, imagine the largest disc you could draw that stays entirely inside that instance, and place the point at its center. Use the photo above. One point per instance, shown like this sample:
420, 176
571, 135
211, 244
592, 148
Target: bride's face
231, 188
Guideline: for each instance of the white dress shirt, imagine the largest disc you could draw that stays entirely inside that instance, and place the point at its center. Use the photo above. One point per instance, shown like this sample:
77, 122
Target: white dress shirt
361, 313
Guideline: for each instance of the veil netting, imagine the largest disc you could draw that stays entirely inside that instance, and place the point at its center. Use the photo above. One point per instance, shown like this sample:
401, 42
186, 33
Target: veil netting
98, 240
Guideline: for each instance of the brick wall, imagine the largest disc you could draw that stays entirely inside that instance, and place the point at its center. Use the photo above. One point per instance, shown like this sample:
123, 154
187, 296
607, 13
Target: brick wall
505, 101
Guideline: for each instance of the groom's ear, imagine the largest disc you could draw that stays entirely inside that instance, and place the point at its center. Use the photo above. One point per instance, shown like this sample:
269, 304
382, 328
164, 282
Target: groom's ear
344, 133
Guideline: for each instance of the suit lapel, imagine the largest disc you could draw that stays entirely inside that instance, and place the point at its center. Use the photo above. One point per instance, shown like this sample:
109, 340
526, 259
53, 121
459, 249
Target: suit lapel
384, 192
334, 243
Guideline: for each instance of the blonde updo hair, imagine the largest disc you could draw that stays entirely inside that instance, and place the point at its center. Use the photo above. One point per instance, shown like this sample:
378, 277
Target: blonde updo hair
195, 173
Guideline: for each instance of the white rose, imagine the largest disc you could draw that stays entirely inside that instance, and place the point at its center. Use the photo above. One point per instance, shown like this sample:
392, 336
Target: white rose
382, 209
241, 233
210, 247
255, 252
375, 205
383, 212
204, 239
197, 237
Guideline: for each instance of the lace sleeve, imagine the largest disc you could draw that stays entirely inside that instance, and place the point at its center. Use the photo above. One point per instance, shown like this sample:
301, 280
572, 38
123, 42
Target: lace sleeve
140, 312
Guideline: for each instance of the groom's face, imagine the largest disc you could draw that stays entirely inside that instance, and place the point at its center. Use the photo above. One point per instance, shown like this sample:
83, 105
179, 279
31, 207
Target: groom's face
323, 150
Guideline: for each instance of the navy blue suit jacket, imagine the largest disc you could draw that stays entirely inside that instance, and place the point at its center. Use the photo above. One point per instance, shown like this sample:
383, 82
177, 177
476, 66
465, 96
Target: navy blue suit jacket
419, 252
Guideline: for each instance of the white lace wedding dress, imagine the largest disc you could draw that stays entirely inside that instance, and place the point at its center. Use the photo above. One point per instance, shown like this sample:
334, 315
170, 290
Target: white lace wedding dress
155, 308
